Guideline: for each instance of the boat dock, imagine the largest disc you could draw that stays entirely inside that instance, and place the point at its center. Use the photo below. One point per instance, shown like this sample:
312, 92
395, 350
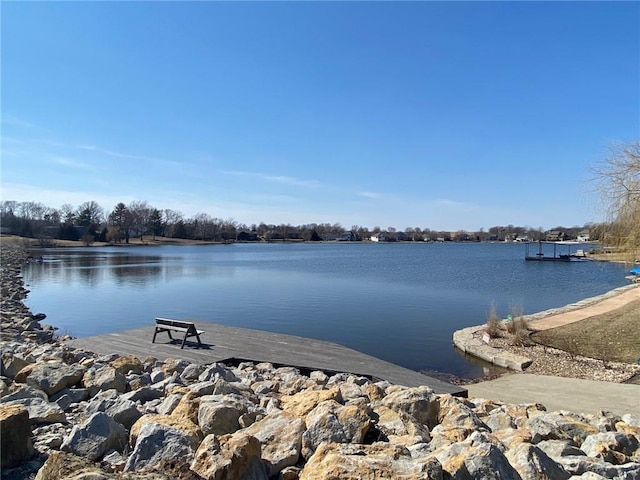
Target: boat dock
560, 251
232, 345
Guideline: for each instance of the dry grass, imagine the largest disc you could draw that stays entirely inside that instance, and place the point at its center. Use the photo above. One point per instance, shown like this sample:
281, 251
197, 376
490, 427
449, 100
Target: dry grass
494, 324
612, 336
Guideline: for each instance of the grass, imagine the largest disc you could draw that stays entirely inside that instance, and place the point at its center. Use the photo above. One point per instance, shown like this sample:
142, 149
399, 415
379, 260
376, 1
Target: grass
612, 336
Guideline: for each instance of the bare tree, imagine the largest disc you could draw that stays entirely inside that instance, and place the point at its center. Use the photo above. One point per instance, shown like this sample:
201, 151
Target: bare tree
617, 179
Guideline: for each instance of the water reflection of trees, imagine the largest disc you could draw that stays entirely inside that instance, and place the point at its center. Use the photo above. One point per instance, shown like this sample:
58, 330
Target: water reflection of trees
93, 268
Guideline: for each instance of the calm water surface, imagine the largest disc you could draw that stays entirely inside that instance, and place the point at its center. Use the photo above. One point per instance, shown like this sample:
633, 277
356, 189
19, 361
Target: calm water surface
399, 302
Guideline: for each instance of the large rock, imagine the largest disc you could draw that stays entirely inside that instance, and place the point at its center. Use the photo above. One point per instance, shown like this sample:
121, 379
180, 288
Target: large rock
52, 377
376, 462
126, 364
220, 414
400, 428
156, 443
280, 437
580, 465
97, 436
475, 457
185, 426
24, 392
612, 447
41, 411
12, 364
121, 410
332, 422
300, 404
559, 426
15, 436
66, 466
104, 377
230, 457
532, 462
419, 402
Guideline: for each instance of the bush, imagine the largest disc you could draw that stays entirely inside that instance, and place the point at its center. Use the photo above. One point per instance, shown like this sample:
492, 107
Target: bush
494, 325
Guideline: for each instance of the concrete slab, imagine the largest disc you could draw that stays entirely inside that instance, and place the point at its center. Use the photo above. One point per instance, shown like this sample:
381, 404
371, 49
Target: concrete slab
559, 393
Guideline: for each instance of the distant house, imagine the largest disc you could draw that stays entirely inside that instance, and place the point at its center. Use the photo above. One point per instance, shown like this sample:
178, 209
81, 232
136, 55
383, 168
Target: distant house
583, 236
555, 236
522, 238
347, 237
247, 237
379, 237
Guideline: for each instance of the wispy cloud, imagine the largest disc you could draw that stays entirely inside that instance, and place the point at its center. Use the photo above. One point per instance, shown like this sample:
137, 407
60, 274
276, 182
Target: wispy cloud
72, 163
10, 120
283, 179
372, 195
112, 153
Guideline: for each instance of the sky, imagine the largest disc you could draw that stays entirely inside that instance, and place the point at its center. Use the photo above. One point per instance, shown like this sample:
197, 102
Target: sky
440, 115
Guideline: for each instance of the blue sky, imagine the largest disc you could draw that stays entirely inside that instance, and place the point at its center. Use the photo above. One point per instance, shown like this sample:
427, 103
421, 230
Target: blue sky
448, 116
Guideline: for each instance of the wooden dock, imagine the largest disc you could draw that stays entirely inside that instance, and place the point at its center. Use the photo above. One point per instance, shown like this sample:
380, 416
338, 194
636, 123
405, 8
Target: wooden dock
233, 344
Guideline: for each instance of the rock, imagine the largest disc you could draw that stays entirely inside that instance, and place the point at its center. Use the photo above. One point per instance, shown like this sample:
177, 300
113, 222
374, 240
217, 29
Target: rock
4, 388
12, 364
419, 402
532, 462
156, 442
377, 461
103, 377
579, 465
66, 466
319, 377
188, 408
219, 370
97, 436
400, 428
173, 365
631, 419
64, 398
300, 404
475, 457
24, 392
192, 372
115, 406
169, 403
558, 426
15, 436
332, 422
52, 377
280, 437
612, 447
185, 426
143, 394
220, 414
559, 448
41, 411
126, 364
230, 457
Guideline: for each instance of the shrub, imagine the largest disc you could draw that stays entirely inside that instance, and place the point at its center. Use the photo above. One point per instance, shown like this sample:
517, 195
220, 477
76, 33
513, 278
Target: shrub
494, 325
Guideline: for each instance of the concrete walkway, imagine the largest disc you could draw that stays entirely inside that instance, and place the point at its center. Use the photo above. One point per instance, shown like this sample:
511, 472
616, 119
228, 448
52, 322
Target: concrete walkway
606, 305
558, 393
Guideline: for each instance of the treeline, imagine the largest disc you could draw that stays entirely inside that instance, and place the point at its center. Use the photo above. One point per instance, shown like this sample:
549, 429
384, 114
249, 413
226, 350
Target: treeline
89, 222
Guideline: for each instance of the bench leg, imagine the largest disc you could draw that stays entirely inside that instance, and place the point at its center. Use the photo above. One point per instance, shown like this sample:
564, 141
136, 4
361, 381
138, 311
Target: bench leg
183, 341
154, 335
198, 337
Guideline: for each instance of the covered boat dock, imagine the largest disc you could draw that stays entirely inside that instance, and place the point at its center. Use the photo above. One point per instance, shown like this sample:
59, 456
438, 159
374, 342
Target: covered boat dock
563, 251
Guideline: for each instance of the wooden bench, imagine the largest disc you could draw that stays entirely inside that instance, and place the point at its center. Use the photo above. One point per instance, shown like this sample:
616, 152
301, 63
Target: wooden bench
186, 328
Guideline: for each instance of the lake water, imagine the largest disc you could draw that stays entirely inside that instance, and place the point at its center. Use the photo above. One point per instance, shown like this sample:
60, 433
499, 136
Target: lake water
399, 302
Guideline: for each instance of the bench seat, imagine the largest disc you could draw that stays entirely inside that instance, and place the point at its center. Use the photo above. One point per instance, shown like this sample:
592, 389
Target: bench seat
187, 328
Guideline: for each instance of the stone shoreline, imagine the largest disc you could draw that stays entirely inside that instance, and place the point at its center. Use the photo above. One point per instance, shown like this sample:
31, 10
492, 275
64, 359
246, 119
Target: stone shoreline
72, 414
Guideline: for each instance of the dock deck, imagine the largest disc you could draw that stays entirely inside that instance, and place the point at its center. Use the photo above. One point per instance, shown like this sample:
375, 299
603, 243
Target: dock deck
233, 344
